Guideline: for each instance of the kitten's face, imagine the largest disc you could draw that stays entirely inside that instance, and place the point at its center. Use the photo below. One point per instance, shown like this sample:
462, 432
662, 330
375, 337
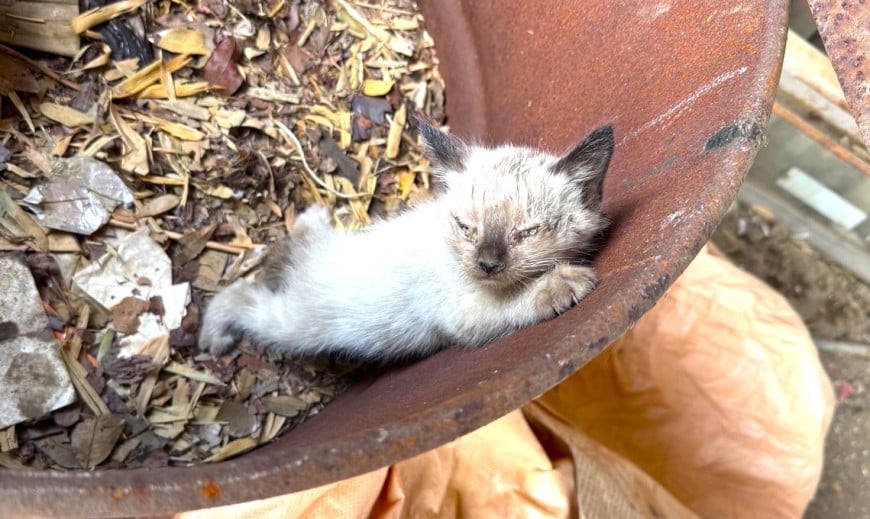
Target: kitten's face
512, 218
514, 212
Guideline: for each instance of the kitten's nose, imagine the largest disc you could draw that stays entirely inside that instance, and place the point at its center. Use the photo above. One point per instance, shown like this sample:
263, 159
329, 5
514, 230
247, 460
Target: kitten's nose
490, 266
490, 260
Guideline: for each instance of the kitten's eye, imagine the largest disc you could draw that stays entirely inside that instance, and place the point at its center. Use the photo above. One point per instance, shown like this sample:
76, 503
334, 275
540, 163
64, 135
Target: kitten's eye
528, 232
462, 226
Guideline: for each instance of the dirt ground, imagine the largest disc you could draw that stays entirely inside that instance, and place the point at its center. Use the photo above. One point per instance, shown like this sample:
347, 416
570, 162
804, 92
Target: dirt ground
832, 302
834, 305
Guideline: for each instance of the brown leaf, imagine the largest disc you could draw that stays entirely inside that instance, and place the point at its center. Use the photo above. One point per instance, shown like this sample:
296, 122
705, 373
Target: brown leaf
221, 68
125, 315
94, 438
192, 243
240, 421
298, 58
67, 416
284, 405
361, 128
129, 370
61, 453
159, 205
16, 77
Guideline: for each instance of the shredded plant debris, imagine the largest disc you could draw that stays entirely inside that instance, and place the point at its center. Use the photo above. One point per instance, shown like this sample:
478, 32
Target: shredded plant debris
154, 164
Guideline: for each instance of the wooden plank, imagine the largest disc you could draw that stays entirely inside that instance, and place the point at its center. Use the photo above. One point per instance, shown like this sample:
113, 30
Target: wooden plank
810, 65
839, 248
40, 24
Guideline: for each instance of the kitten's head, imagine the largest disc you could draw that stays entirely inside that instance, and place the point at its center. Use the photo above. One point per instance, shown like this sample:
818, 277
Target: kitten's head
515, 212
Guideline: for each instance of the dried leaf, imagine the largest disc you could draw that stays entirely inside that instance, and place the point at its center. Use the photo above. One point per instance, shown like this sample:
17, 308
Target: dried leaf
284, 405
61, 453
211, 268
85, 390
94, 438
234, 448
125, 314
8, 441
296, 57
181, 131
19, 105
193, 243
394, 137
406, 183
240, 421
192, 373
159, 205
128, 370
185, 109
270, 94
182, 40
180, 90
135, 158
16, 77
65, 115
377, 87
219, 191
148, 76
94, 17
20, 224
221, 69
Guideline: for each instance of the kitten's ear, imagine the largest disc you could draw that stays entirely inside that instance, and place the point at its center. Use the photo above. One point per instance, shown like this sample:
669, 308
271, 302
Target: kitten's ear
444, 150
588, 162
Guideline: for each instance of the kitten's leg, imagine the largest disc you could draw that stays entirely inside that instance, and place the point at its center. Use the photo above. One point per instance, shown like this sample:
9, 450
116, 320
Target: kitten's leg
546, 297
561, 288
309, 226
239, 309
223, 323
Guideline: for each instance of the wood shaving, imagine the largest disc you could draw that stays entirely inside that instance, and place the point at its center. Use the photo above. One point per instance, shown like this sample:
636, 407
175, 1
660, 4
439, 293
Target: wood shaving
250, 112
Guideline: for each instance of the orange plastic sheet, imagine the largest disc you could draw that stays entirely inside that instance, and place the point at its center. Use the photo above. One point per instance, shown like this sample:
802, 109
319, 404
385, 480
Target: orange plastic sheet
714, 405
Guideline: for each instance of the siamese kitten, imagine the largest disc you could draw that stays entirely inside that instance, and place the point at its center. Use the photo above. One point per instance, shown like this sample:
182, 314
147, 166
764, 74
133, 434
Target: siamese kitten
494, 251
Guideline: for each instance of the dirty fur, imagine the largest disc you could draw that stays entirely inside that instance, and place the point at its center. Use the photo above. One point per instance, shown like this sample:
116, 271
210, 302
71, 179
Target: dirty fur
494, 251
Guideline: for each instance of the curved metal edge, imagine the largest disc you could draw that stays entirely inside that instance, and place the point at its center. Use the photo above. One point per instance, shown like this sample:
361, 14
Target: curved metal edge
133, 492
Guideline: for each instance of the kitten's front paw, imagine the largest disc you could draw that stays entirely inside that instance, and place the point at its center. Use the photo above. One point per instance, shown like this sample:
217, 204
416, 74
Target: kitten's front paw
217, 341
225, 317
563, 287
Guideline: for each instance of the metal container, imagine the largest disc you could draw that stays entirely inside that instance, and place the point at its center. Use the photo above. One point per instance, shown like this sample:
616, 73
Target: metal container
688, 87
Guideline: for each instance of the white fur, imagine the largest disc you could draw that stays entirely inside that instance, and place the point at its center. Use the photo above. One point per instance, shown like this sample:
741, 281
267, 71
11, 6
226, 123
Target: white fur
405, 287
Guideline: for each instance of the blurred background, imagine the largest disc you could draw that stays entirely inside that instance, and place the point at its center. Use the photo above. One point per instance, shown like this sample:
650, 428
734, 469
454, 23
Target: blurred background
801, 225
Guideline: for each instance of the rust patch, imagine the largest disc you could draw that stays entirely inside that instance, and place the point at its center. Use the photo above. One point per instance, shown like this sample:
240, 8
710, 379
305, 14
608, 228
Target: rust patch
843, 28
210, 490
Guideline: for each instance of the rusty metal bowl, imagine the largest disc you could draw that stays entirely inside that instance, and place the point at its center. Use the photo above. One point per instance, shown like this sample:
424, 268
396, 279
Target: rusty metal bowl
688, 87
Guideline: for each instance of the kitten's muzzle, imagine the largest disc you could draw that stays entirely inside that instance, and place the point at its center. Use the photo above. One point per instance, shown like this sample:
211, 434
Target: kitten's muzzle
491, 259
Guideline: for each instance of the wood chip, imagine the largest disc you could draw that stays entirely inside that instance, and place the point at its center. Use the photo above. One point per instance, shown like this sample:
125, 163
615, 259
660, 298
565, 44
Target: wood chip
317, 114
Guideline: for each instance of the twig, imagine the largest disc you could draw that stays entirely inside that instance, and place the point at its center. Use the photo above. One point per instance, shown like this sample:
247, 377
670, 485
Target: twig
222, 247
40, 67
287, 134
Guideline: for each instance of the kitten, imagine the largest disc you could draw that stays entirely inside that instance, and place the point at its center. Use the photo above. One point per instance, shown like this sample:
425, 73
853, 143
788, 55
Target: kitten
493, 252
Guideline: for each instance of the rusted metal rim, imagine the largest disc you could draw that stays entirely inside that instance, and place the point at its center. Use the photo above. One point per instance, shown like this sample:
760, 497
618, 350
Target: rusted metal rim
688, 87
